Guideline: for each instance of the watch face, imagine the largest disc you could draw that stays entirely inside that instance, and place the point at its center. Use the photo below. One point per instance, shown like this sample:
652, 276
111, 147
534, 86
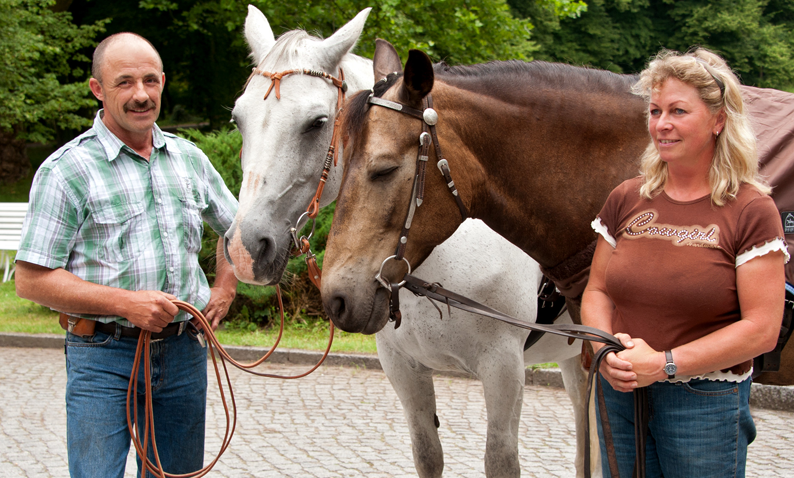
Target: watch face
670, 369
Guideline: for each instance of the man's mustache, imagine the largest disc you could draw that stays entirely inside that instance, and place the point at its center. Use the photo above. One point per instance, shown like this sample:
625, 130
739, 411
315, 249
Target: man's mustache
135, 105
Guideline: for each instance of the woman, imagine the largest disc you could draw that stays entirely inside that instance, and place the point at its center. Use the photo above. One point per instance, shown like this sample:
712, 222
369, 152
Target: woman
688, 273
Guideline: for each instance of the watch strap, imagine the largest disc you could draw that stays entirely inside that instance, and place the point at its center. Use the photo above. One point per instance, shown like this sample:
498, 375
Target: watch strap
670, 365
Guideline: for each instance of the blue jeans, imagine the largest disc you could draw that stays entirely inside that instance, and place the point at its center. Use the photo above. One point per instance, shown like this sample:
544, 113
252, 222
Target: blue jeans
98, 373
699, 428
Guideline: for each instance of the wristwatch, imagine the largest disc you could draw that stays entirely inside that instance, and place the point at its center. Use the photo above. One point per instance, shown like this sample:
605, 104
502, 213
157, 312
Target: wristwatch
669, 368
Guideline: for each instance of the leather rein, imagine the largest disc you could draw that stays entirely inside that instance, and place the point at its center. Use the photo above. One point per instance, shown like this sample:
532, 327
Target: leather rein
436, 292
204, 328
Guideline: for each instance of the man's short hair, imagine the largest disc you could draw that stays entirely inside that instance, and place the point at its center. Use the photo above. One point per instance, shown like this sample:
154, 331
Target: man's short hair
99, 52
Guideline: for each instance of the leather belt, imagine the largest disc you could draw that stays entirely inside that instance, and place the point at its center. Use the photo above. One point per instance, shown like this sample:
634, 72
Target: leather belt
135, 332
88, 327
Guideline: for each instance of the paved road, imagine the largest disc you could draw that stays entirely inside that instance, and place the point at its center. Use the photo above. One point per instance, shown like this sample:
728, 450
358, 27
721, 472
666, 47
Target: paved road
338, 422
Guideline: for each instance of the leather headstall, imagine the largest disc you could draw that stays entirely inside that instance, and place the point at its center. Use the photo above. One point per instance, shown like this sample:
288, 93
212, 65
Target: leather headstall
302, 243
429, 118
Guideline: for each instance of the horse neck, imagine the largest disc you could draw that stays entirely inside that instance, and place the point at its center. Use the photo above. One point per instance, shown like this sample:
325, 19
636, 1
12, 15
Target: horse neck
538, 168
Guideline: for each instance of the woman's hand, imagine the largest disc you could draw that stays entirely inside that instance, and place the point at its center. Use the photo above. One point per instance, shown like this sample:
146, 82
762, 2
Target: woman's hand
618, 371
646, 363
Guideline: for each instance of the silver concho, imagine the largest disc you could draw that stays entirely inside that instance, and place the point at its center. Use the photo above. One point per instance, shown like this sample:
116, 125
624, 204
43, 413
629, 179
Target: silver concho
430, 116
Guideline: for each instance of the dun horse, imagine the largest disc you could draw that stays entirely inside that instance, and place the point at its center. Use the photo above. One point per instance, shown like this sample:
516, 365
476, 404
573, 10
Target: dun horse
285, 139
534, 150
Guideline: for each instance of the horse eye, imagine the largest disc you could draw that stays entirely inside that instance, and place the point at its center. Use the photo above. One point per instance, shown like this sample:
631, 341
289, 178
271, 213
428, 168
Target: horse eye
317, 123
383, 173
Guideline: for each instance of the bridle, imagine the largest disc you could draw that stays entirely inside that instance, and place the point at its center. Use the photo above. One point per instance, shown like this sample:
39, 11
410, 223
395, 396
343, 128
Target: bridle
436, 292
429, 119
204, 328
302, 243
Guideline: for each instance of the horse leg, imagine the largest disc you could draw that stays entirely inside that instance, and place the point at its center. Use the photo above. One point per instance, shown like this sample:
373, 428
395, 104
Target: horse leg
574, 378
413, 384
503, 380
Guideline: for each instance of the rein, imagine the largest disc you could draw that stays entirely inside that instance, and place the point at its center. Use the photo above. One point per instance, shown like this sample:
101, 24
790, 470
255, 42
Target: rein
436, 292
204, 330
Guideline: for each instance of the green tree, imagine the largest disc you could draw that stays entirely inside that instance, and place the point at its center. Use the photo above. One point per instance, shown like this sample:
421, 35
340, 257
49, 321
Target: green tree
754, 36
206, 58
42, 86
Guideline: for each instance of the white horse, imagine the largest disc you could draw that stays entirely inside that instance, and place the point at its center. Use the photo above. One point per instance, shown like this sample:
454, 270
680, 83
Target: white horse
284, 144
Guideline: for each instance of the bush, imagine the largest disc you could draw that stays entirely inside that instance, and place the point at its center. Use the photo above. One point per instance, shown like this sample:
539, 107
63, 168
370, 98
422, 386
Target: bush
256, 305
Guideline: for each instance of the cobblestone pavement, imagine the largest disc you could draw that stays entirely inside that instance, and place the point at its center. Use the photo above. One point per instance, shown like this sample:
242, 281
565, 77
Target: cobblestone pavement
337, 422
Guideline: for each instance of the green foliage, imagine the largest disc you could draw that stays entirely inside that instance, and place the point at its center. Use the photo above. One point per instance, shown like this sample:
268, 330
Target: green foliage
206, 58
756, 37
42, 86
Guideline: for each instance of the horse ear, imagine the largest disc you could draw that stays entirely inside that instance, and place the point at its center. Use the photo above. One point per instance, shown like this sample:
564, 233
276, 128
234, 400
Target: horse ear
386, 60
258, 34
418, 78
340, 43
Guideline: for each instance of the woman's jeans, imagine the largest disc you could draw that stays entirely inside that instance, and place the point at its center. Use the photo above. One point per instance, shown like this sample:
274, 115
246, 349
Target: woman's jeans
700, 428
98, 374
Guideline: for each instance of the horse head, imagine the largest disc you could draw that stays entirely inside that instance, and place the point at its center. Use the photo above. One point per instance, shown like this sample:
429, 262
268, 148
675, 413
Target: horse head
381, 147
286, 134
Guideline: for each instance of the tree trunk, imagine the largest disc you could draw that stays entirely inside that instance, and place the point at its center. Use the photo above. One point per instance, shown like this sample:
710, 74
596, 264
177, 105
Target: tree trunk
14, 163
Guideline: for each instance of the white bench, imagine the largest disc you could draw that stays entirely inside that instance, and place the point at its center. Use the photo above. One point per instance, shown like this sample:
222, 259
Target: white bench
11, 216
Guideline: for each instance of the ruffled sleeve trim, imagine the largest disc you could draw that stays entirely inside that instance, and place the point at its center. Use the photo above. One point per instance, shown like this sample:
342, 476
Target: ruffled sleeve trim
777, 244
600, 228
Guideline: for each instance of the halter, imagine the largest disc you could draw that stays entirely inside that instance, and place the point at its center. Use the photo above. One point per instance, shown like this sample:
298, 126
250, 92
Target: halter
429, 118
302, 243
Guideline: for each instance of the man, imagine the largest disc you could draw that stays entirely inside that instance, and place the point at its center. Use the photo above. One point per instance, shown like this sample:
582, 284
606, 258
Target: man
112, 235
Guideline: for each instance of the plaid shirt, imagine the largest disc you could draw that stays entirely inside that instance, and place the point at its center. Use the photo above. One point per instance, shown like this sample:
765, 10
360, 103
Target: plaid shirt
102, 212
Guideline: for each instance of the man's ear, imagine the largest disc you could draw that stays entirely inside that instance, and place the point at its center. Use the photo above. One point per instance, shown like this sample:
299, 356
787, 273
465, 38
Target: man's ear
96, 88
162, 83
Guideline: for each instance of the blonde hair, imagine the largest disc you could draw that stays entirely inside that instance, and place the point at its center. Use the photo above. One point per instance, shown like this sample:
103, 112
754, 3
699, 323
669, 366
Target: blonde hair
735, 158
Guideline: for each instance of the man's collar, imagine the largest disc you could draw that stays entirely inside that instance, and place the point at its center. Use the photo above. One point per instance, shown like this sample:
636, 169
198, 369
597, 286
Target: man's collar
112, 144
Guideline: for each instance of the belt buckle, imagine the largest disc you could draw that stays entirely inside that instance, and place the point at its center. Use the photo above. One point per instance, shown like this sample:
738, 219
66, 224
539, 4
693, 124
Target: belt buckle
197, 334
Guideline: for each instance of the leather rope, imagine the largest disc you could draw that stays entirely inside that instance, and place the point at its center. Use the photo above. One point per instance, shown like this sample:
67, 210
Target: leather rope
143, 353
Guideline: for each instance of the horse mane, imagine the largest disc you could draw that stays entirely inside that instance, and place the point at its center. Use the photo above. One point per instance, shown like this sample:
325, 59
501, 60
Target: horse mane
505, 76
499, 79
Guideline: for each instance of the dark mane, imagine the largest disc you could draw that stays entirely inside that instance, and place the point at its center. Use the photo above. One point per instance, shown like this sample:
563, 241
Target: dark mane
496, 77
500, 79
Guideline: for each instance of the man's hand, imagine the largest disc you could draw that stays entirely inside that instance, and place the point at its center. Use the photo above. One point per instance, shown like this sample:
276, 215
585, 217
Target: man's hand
150, 310
218, 306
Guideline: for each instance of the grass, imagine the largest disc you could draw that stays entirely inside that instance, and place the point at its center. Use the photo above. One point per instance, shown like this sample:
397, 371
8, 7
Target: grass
22, 316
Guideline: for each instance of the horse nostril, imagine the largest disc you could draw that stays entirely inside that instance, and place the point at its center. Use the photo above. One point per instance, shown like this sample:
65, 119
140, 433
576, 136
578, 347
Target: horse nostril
266, 245
337, 307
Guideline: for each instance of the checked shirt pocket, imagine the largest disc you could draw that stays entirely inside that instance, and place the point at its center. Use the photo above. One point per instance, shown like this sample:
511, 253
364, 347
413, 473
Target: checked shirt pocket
120, 231
192, 206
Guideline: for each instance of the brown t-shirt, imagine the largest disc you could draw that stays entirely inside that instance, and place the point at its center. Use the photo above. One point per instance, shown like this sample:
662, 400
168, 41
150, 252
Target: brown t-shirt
672, 275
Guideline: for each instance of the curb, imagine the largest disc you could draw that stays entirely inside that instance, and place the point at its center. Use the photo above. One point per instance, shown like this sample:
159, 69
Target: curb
772, 397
